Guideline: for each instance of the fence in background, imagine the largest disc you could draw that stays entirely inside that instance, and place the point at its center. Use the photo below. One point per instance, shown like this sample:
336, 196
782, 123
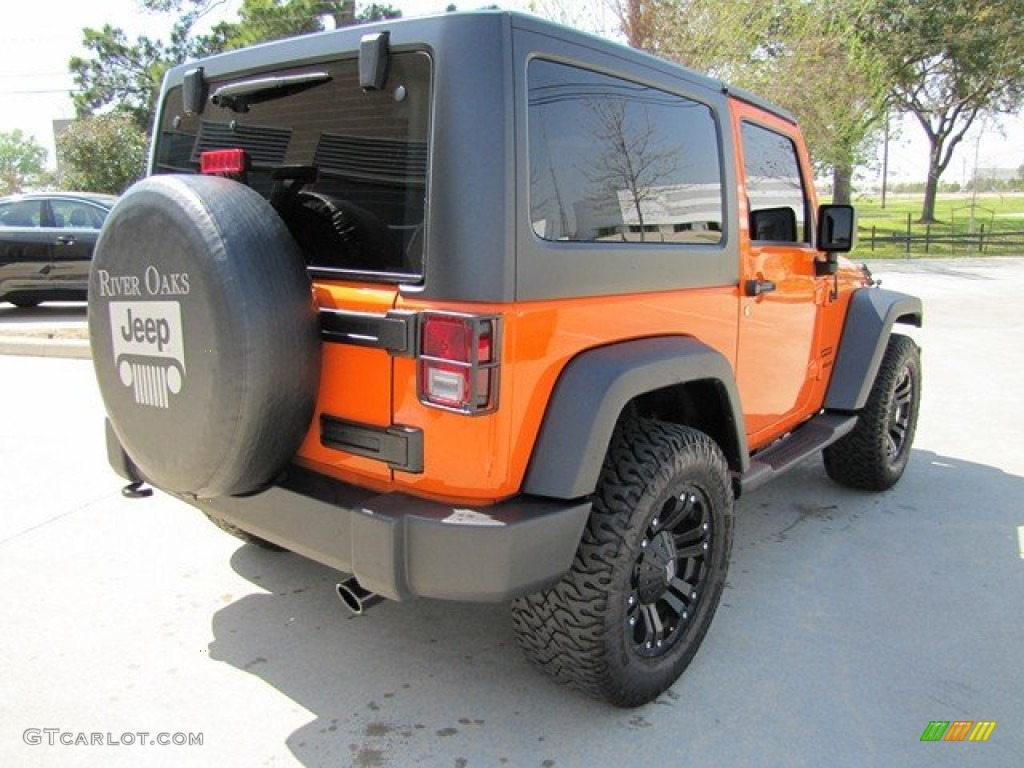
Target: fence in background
939, 239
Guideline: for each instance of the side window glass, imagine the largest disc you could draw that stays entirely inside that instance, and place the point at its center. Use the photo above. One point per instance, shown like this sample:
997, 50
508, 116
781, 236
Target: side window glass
614, 161
778, 200
69, 213
24, 213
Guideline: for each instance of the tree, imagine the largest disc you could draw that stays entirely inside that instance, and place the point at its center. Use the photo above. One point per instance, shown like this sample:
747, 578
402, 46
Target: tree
832, 79
126, 75
804, 55
950, 62
378, 12
728, 39
121, 73
22, 162
263, 20
104, 153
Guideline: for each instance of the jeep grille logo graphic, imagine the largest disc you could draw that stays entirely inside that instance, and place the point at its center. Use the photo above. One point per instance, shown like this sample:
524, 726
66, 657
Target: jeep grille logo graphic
149, 349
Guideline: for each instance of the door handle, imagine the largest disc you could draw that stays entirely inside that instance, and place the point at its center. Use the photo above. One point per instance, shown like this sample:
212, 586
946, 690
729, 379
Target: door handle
757, 287
66, 240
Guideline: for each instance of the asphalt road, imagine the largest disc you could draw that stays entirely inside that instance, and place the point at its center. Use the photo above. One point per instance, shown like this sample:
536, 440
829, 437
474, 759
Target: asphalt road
849, 623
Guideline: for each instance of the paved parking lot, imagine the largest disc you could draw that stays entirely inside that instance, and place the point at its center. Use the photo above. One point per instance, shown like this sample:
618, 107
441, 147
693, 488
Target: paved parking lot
850, 620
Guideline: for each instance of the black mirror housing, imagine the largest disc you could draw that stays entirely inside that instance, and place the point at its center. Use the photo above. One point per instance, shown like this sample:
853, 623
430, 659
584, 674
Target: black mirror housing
774, 225
837, 228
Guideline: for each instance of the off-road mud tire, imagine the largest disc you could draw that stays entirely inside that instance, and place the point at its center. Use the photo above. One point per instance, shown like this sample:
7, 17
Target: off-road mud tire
874, 455
659, 481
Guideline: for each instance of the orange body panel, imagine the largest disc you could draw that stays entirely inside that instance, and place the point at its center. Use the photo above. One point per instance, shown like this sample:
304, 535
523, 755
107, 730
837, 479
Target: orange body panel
355, 384
781, 345
788, 336
484, 458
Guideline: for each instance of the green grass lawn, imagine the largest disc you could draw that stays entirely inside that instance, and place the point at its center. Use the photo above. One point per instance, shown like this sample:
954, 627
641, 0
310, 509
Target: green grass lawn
996, 229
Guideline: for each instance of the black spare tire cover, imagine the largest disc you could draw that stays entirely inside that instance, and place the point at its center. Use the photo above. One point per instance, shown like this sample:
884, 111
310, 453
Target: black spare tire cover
204, 335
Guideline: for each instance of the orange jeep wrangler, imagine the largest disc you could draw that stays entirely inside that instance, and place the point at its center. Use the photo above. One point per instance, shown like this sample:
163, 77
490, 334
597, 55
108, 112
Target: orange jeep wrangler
476, 307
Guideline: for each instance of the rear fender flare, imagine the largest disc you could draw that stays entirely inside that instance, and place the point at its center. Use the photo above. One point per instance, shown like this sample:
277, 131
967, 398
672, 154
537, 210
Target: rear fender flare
598, 384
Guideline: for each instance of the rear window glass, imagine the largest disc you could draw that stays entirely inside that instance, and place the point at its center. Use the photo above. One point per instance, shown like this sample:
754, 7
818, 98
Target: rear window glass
364, 212
616, 161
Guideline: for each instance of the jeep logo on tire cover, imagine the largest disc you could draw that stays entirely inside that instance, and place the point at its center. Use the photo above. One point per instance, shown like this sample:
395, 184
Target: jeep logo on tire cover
149, 349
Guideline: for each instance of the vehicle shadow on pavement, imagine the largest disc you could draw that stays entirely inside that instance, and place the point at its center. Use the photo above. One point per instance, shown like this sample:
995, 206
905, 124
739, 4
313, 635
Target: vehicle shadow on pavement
444, 682
398, 683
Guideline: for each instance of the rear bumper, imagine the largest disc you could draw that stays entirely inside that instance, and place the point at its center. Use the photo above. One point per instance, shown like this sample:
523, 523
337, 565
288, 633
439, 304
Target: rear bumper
400, 546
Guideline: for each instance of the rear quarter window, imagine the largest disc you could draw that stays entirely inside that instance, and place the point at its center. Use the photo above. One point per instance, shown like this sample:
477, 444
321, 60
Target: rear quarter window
615, 161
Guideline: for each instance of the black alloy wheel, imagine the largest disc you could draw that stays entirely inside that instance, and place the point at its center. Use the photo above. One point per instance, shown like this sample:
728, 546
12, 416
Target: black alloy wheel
902, 413
671, 572
630, 614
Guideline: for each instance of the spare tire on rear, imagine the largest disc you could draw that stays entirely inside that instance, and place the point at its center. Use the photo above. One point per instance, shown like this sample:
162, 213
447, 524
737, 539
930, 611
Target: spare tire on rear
204, 335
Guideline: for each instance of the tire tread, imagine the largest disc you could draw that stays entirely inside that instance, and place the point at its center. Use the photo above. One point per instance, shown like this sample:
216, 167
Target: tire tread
858, 460
564, 630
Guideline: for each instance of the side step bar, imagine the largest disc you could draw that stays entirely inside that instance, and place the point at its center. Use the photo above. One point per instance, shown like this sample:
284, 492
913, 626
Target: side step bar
808, 439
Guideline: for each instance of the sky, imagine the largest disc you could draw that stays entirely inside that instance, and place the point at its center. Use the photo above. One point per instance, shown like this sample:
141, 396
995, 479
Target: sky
37, 39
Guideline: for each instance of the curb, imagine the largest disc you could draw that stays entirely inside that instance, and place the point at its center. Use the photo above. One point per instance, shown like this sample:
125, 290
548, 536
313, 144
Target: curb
32, 347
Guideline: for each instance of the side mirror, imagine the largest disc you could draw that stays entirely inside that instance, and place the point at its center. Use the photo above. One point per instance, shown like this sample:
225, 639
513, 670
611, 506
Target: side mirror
837, 228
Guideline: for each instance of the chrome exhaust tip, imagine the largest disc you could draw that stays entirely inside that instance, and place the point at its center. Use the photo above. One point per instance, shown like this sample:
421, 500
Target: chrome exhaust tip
356, 597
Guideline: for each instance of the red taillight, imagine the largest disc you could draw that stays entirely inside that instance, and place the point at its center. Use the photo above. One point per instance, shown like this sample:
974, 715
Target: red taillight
224, 162
458, 367
447, 338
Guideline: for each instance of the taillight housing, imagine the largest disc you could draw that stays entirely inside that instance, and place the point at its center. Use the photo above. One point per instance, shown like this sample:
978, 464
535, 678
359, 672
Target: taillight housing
231, 163
459, 362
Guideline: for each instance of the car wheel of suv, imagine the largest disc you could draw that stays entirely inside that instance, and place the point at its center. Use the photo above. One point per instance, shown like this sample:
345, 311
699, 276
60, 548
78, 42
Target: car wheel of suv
25, 303
875, 453
628, 618
204, 335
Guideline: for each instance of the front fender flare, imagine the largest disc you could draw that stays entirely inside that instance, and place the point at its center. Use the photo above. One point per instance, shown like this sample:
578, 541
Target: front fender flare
869, 321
